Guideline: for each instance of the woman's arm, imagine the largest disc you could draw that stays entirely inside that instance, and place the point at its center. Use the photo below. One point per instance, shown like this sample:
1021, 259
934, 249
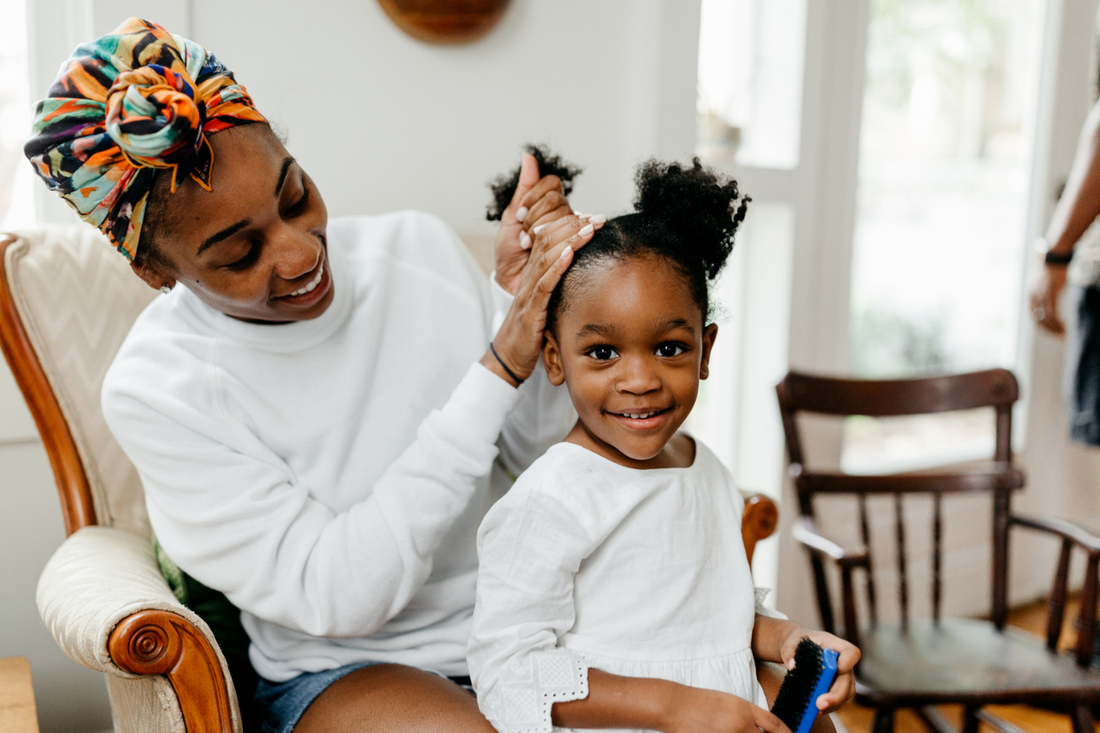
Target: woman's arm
231, 513
775, 640
1076, 210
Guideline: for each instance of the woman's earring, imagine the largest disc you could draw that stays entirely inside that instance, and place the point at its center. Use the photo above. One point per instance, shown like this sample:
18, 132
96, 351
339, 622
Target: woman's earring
165, 289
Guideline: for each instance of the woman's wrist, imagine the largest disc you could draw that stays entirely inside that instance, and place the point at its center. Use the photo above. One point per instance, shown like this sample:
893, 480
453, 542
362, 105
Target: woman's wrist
491, 363
1055, 254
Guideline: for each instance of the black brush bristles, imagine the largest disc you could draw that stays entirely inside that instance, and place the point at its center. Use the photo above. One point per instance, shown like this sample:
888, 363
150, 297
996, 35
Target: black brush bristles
813, 674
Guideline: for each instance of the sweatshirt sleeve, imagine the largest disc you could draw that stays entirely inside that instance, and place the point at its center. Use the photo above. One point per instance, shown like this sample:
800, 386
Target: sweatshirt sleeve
238, 520
529, 551
545, 414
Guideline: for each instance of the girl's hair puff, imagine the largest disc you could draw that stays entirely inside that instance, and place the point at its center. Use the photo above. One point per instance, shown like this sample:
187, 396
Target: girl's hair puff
504, 186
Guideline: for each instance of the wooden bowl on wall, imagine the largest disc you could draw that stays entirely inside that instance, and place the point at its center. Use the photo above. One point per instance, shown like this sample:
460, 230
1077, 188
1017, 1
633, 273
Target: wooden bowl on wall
445, 21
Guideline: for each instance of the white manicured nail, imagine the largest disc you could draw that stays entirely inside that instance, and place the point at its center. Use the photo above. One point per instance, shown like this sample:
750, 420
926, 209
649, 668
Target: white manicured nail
524, 240
566, 252
539, 228
522, 212
579, 215
588, 229
597, 218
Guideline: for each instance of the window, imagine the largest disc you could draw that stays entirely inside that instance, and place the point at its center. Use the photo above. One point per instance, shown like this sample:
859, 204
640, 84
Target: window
16, 177
750, 81
941, 219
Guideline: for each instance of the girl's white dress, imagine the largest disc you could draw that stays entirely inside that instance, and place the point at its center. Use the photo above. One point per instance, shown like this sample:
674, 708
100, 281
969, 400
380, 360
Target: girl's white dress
587, 563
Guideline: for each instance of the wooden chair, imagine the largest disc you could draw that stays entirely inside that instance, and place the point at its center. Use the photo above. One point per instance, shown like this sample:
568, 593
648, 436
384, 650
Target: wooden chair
921, 663
67, 300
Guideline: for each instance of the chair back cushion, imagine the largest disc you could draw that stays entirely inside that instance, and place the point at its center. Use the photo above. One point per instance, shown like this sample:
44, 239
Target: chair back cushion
77, 299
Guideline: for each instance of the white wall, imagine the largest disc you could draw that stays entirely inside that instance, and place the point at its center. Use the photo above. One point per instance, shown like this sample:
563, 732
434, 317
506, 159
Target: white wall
381, 122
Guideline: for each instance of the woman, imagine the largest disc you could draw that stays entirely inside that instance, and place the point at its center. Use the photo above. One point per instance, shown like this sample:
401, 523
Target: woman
320, 412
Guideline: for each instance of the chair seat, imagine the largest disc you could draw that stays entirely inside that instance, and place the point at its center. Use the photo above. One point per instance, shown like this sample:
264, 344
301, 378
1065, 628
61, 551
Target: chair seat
965, 660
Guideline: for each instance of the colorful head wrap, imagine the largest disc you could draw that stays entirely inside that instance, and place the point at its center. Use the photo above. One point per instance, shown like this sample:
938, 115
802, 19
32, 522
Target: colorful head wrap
123, 106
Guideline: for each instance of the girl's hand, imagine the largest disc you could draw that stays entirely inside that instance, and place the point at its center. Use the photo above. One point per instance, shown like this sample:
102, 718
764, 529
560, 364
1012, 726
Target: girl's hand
695, 710
536, 201
844, 686
519, 340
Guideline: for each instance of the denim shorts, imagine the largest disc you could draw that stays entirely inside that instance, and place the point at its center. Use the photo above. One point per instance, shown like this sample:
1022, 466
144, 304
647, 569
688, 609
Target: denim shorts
280, 705
1083, 367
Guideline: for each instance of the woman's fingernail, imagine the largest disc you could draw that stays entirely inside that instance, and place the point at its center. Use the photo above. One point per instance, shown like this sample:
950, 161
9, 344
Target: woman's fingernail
524, 240
579, 215
566, 252
588, 229
539, 228
520, 213
597, 218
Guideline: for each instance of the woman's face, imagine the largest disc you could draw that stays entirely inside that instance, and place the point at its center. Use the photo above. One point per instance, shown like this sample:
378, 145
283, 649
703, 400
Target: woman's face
254, 247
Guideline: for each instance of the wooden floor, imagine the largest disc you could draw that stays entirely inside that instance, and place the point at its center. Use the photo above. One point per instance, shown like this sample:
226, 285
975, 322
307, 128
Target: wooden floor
1033, 619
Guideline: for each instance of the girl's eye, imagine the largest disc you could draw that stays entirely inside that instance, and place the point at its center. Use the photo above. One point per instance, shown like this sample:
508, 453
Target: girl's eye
602, 353
670, 349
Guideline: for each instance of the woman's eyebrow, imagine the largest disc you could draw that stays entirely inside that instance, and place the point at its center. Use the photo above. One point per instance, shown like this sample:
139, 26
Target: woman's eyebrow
287, 161
229, 231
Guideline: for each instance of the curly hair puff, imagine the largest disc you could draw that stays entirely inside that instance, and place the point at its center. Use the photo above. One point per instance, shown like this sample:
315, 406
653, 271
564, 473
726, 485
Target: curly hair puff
504, 186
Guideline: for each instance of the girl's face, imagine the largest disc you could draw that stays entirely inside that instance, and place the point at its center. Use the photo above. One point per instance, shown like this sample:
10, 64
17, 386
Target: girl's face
254, 245
631, 345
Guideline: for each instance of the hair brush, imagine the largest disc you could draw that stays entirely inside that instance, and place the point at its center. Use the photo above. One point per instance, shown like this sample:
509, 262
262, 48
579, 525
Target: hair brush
812, 676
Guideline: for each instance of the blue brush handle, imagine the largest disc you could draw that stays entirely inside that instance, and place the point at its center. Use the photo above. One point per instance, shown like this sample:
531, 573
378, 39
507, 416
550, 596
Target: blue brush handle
824, 682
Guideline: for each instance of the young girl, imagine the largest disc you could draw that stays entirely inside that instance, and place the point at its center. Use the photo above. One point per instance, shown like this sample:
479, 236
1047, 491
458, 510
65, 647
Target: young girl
613, 588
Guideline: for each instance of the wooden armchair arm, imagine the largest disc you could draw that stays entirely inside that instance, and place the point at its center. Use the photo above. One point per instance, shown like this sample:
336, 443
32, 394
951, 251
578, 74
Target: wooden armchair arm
759, 521
163, 642
1071, 536
1068, 531
807, 534
104, 601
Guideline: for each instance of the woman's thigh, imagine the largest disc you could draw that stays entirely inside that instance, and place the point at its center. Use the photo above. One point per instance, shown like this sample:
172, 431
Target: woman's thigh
771, 677
392, 697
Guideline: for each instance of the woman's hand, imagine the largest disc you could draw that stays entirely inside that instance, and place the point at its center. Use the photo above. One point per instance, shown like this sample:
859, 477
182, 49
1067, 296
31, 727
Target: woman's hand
518, 343
1044, 298
694, 710
844, 686
536, 201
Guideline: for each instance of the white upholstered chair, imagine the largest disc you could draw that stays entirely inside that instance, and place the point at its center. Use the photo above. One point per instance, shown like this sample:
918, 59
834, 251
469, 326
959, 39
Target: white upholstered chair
67, 301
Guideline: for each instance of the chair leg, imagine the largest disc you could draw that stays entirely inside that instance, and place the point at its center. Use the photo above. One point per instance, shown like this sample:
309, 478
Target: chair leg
884, 721
970, 719
1082, 719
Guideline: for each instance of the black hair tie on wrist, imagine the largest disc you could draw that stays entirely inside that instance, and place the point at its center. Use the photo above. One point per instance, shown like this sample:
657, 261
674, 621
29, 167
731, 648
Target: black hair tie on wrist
504, 366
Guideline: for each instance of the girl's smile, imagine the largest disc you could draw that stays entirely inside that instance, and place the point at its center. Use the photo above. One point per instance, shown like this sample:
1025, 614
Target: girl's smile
632, 346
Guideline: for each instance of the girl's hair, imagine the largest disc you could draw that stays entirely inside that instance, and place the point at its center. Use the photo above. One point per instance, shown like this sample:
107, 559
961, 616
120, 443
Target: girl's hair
686, 214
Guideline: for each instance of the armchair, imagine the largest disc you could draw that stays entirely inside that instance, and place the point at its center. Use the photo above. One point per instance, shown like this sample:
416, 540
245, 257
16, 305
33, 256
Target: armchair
921, 663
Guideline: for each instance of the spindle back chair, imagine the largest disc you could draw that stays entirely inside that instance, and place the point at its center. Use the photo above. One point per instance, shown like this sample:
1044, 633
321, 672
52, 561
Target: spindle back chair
917, 663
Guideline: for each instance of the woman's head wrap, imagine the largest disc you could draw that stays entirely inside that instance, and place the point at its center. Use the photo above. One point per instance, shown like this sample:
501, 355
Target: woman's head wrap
123, 106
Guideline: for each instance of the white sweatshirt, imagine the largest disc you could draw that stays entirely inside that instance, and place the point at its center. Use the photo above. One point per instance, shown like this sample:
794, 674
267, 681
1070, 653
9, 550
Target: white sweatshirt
329, 475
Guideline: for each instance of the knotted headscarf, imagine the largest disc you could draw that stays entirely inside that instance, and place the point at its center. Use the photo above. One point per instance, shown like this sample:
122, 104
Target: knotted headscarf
123, 106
